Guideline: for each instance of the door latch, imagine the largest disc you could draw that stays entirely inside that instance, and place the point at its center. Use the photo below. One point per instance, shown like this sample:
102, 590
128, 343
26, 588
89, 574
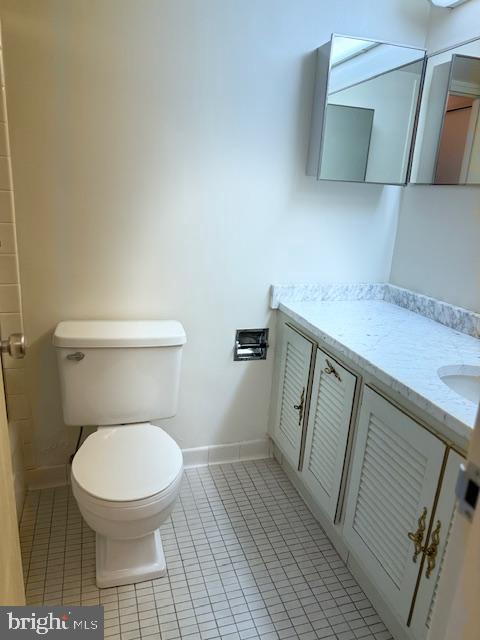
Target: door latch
468, 489
14, 345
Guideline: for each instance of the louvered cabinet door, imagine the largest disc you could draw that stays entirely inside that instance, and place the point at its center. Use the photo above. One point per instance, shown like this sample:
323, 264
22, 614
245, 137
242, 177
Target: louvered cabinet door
395, 473
442, 526
327, 432
296, 354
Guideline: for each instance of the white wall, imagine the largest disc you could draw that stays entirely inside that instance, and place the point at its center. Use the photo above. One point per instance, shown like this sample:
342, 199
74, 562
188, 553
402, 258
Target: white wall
159, 151
438, 239
448, 27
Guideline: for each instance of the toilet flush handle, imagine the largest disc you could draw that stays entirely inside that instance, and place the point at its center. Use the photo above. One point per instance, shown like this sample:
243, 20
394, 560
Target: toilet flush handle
77, 356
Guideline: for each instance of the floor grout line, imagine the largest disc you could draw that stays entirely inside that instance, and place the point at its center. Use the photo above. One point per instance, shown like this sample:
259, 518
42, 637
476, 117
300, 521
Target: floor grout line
246, 560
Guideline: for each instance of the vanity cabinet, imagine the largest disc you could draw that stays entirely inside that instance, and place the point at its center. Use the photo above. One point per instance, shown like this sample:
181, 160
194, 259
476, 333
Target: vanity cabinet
315, 412
394, 524
383, 482
295, 358
437, 545
328, 428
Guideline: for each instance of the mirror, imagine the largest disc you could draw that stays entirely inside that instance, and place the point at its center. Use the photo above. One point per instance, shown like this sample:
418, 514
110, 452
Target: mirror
447, 147
366, 98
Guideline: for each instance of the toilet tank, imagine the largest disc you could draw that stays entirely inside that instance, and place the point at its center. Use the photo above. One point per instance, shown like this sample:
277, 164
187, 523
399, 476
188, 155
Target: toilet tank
118, 372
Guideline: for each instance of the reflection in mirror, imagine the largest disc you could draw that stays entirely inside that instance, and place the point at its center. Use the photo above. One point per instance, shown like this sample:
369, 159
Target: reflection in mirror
365, 128
447, 150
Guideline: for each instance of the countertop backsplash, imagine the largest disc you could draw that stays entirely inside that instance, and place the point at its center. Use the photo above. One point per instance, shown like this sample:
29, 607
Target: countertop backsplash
457, 318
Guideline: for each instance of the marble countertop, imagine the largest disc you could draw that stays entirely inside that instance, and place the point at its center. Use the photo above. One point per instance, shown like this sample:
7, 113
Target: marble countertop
403, 349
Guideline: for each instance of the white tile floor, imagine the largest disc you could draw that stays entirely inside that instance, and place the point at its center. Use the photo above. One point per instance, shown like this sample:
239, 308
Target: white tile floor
246, 559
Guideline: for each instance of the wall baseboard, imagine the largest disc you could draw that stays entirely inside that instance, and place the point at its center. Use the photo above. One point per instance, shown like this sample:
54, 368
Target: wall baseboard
46, 477
223, 453
59, 475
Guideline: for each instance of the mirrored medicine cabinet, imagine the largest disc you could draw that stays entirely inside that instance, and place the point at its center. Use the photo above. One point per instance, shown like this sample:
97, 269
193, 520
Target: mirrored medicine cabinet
364, 110
447, 146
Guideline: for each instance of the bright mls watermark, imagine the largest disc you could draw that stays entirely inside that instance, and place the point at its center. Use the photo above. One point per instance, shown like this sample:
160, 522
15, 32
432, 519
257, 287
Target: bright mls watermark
22, 623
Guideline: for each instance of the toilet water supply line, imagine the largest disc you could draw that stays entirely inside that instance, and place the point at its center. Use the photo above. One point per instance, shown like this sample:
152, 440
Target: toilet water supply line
78, 445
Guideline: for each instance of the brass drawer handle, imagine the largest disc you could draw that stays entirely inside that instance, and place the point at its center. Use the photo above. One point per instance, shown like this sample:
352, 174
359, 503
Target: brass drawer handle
331, 369
300, 407
432, 550
417, 537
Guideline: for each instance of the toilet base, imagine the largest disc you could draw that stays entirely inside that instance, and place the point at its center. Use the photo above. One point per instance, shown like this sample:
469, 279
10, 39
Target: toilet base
126, 561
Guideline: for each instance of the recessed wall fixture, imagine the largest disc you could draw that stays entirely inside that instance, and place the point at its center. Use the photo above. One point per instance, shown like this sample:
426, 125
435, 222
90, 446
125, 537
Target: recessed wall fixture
447, 4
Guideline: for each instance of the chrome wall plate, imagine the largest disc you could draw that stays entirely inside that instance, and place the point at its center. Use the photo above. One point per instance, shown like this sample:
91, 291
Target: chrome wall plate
250, 344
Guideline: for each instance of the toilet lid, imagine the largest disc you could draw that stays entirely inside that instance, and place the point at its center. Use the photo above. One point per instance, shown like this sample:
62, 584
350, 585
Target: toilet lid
128, 462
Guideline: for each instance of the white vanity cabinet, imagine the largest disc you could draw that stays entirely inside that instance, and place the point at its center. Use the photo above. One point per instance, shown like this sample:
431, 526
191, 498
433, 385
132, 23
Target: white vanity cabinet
395, 474
295, 357
436, 547
328, 427
380, 481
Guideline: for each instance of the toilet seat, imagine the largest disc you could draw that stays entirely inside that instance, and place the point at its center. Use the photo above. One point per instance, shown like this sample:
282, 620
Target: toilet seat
127, 511
126, 464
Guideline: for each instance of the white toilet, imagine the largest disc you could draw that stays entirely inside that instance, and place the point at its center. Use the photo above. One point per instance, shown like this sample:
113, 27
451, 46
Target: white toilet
119, 375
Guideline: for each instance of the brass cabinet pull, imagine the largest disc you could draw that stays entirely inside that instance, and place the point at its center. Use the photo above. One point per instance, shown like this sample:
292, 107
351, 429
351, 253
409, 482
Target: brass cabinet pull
331, 369
432, 550
299, 407
417, 537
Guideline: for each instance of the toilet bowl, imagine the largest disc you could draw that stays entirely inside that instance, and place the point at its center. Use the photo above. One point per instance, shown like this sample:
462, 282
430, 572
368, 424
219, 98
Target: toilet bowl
126, 479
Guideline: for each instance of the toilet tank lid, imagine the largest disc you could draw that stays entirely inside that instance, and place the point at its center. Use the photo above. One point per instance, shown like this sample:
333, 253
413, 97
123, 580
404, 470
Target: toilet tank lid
119, 333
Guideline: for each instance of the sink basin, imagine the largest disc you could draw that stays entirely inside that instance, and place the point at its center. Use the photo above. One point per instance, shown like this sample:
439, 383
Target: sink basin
463, 379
